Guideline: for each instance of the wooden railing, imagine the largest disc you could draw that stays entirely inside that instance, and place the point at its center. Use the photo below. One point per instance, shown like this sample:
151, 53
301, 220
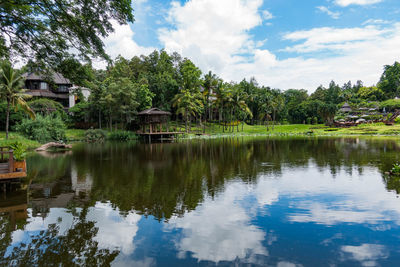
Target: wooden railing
4, 151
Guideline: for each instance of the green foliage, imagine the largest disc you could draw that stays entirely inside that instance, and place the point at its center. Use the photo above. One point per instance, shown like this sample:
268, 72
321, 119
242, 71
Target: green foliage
47, 30
372, 93
15, 116
390, 105
43, 129
45, 106
11, 91
121, 136
95, 135
80, 112
19, 151
389, 82
396, 169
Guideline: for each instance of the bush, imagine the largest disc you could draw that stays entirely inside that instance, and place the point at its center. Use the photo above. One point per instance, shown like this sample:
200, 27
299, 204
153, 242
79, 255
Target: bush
44, 107
121, 136
95, 135
315, 120
43, 128
390, 105
396, 169
80, 112
15, 116
19, 151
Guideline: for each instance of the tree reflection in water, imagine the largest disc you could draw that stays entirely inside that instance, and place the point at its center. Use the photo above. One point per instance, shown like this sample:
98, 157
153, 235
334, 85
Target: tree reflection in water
167, 181
163, 180
74, 247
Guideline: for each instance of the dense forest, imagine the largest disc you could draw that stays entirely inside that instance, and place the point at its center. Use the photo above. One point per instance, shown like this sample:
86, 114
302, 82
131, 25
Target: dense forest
173, 83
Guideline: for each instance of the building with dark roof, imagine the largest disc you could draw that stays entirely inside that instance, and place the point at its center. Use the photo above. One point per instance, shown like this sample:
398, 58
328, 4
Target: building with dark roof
54, 86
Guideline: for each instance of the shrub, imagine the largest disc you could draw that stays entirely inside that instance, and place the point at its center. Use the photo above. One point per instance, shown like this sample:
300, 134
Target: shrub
396, 169
15, 116
121, 136
390, 105
315, 120
19, 151
44, 107
80, 112
331, 129
95, 135
43, 128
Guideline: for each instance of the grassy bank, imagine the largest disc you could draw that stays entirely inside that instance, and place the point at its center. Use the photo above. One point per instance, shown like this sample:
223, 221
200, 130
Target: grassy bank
215, 130
377, 129
29, 144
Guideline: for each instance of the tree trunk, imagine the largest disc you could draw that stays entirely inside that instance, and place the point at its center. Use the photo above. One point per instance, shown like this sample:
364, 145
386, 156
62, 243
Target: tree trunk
8, 117
99, 119
186, 121
273, 121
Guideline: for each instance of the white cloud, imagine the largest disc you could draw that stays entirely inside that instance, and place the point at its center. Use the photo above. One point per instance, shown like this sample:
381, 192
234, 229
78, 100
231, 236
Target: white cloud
328, 38
215, 36
324, 9
366, 254
267, 15
345, 3
121, 42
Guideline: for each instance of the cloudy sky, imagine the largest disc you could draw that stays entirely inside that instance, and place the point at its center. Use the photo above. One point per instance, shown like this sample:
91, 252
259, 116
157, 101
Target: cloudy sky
282, 43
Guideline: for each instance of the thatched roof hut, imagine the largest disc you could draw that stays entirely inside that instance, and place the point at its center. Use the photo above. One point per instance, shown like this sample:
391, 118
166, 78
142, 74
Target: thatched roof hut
346, 108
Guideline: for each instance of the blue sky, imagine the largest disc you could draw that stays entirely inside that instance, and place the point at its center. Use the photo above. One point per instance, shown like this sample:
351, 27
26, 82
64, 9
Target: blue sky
282, 43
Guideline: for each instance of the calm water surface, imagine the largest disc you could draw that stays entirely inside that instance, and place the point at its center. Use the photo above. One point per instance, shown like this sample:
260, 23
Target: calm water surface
291, 202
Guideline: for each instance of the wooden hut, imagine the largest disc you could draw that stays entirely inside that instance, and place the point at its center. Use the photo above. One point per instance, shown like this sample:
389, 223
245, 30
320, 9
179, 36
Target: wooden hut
346, 108
154, 123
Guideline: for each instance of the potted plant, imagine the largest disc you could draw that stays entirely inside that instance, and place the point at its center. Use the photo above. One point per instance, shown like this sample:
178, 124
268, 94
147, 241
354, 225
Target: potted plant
19, 154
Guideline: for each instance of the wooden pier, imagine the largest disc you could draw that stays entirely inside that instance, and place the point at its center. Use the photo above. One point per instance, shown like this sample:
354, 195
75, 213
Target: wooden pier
9, 168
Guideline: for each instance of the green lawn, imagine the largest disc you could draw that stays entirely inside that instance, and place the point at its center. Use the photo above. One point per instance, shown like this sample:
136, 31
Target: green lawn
377, 129
29, 144
215, 130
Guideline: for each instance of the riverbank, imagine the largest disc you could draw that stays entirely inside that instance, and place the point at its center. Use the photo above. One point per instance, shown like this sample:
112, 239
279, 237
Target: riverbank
216, 131
376, 129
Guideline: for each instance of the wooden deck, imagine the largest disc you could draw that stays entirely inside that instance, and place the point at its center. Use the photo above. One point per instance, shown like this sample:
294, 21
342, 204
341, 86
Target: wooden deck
158, 135
9, 168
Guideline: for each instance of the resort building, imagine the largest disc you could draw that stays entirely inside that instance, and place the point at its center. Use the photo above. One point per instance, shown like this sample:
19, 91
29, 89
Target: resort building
55, 87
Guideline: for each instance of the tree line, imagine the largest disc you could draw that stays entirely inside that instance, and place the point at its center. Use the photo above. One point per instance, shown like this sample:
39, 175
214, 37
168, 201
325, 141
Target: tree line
173, 83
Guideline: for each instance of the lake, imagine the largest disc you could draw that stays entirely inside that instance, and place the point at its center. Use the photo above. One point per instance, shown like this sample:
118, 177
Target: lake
235, 201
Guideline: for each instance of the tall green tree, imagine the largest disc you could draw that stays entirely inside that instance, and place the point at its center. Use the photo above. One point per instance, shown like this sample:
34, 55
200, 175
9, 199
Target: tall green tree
188, 104
11, 84
210, 83
389, 82
46, 30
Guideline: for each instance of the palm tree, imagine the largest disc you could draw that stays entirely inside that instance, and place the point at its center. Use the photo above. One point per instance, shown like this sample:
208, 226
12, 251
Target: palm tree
241, 108
11, 84
188, 104
210, 83
221, 93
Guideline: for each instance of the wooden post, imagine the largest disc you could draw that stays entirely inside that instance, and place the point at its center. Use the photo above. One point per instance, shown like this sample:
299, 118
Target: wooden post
151, 128
11, 162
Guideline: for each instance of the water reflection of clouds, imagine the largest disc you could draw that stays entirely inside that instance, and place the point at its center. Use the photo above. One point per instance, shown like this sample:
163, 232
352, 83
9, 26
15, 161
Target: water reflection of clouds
360, 199
114, 230
220, 229
366, 254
